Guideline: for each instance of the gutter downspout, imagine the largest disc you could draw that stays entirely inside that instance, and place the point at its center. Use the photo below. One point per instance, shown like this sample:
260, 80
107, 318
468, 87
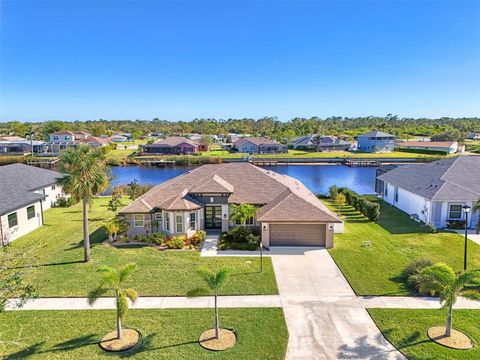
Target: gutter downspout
41, 211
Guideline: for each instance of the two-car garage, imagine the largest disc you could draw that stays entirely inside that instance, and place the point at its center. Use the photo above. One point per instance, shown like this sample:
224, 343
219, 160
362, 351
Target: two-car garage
297, 234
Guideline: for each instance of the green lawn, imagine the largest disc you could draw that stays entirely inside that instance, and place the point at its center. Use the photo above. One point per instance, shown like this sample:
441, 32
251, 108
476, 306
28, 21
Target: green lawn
58, 250
407, 331
396, 241
119, 154
167, 334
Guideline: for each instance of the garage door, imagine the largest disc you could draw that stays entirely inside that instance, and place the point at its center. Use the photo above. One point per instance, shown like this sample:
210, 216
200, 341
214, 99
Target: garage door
297, 234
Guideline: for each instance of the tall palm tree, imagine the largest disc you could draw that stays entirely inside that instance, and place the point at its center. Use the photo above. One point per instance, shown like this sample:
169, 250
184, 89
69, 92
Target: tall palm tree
214, 282
113, 281
441, 279
85, 176
242, 212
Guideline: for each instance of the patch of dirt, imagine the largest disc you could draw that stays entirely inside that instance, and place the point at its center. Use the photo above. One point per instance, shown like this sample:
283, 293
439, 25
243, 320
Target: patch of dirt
457, 340
226, 340
129, 339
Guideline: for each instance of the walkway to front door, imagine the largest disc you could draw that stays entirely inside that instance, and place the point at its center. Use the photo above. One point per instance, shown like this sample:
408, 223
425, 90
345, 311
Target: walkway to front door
213, 217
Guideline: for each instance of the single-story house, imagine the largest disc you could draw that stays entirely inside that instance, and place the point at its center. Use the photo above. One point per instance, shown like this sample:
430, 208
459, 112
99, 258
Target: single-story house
25, 193
259, 145
119, 138
21, 147
375, 141
448, 147
435, 192
288, 213
173, 145
327, 143
473, 135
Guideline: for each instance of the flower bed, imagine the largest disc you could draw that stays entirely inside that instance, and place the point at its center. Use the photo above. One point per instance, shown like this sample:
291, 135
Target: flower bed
240, 238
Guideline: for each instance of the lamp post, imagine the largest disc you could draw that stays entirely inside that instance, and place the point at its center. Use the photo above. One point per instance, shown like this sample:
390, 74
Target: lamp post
466, 209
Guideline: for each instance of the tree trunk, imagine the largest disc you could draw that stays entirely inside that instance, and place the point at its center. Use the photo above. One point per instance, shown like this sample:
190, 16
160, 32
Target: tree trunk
119, 321
448, 327
86, 235
217, 329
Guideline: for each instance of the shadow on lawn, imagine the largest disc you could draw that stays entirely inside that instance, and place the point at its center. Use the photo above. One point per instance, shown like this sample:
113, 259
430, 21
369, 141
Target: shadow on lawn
365, 349
147, 345
96, 238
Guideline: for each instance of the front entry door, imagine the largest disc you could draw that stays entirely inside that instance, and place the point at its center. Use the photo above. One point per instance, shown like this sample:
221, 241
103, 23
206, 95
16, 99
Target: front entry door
213, 217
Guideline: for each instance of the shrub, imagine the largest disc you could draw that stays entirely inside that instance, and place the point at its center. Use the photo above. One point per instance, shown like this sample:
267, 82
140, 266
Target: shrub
65, 202
456, 224
176, 242
333, 191
431, 229
371, 210
199, 236
412, 273
142, 238
158, 238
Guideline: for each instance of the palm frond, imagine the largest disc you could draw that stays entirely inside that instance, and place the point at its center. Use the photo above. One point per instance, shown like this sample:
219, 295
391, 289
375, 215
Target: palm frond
131, 294
221, 276
207, 275
122, 304
126, 271
95, 294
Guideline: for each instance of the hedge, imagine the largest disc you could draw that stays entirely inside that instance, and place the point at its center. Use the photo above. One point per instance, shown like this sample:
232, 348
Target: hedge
370, 209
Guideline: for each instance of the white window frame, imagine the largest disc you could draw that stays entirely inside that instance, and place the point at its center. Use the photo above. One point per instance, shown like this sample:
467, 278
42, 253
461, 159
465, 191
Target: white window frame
158, 216
167, 222
177, 216
193, 224
136, 222
450, 211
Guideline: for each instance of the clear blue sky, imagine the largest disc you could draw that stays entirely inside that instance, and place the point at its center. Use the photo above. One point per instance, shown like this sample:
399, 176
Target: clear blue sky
180, 60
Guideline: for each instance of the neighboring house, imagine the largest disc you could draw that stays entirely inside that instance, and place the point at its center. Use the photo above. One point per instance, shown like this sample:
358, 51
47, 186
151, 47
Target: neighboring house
375, 141
11, 138
435, 192
94, 141
173, 145
448, 147
119, 138
473, 136
288, 215
21, 147
62, 136
259, 145
327, 143
25, 193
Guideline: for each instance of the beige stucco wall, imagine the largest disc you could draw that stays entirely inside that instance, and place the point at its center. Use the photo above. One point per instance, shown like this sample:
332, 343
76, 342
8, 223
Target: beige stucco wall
24, 226
52, 195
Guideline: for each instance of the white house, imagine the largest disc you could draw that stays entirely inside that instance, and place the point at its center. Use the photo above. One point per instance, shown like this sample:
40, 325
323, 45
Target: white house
25, 193
435, 192
448, 147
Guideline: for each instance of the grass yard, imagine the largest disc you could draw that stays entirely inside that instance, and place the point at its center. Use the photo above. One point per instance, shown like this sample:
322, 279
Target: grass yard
407, 331
119, 154
167, 334
58, 250
396, 241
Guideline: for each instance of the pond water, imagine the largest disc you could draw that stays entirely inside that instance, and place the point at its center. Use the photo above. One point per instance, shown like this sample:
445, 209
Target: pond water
318, 178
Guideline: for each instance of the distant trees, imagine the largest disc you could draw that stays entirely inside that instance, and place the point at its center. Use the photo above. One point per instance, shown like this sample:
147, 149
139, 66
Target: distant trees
450, 135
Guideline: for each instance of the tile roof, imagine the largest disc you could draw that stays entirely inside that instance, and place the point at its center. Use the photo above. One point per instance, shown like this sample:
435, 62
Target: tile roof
19, 182
255, 140
63, 132
172, 141
453, 179
281, 198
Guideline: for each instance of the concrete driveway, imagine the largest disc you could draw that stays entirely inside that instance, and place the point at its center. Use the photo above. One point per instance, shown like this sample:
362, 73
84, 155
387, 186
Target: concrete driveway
324, 317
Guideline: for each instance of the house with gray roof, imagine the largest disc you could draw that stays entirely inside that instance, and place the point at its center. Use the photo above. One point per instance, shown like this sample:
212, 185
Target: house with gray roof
259, 145
435, 192
288, 213
322, 143
376, 141
25, 193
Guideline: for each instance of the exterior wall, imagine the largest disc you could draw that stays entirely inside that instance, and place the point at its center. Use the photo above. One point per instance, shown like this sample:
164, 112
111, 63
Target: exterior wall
24, 226
450, 150
63, 137
368, 144
248, 147
52, 192
409, 202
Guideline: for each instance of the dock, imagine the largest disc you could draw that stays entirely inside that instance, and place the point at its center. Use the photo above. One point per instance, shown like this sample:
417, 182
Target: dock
44, 162
155, 161
352, 162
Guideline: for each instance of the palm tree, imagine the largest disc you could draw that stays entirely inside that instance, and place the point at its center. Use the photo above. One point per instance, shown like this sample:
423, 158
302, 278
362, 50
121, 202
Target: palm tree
214, 282
113, 227
441, 279
242, 212
85, 176
113, 281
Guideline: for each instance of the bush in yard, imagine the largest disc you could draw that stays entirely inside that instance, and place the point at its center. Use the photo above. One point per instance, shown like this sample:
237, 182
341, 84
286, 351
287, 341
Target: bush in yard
176, 242
340, 200
65, 202
412, 273
371, 210
361, 204
158, 238
199, 236
241, 238
333, 191
431, 229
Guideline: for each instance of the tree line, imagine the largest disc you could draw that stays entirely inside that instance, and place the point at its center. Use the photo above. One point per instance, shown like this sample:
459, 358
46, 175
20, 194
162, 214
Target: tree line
444, 128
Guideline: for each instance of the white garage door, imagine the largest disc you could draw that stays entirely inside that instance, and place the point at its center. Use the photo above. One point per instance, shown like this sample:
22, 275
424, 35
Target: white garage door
297, 234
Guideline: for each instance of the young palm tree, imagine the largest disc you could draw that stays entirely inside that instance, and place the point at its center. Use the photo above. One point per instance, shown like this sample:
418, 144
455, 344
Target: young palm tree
86, 176
214, 282
441, 279
113, 227
242, 212
113, 281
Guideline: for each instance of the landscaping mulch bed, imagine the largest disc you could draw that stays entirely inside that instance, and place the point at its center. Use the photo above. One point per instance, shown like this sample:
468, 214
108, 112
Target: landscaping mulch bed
226, 340
130, 338
457, 340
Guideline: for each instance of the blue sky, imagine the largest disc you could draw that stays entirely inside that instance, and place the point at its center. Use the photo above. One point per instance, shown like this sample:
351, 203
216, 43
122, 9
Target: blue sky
180, 60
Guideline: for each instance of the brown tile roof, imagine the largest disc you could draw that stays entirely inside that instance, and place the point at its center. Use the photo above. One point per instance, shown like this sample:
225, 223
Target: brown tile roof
280, 197
173, 141
438, 144
63, 132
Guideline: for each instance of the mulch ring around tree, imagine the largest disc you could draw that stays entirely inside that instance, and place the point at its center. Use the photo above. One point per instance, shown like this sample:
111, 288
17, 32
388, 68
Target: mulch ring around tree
226, 340
457, 340
130, 338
